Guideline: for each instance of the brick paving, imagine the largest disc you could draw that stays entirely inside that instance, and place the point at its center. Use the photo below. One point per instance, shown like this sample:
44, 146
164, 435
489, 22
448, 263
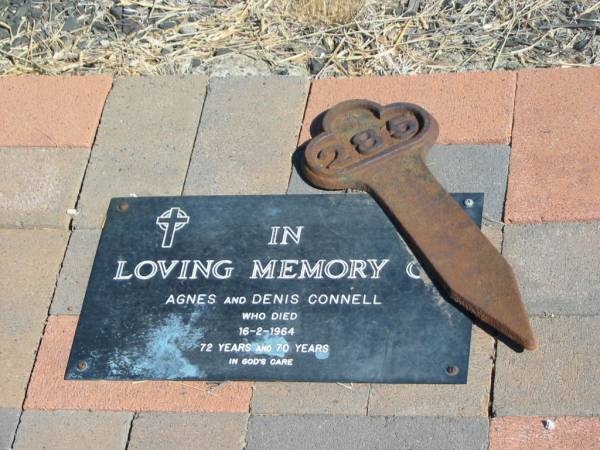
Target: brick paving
70, 144
560, 379
41, 195
474, 108
49, 390
60, 112
508, 433
555, 160
9, 418
554, 261
81, 430
144, 142
188, 431
248, 133
75, 271
337, 433
30, 260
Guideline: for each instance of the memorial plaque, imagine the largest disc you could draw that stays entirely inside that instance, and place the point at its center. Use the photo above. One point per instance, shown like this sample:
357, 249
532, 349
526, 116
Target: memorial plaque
295, 288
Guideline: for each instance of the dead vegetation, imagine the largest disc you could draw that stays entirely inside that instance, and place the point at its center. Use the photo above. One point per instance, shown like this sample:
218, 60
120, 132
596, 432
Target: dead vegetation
325, 38
323, 12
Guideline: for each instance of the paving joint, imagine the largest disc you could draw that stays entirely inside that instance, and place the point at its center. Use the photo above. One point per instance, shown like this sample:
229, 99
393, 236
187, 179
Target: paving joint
133, 417
368, 399
514, 107
187, 170
248, 418
492, 380
247, 423
510, 150
299, 137
495, 350
87, 164
39, 344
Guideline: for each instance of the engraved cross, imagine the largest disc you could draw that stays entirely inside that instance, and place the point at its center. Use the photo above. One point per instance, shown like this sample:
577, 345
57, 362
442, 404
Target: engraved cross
170, 221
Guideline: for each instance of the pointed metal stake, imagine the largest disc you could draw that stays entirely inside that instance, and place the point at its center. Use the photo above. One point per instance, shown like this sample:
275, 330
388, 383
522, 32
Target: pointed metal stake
382, 150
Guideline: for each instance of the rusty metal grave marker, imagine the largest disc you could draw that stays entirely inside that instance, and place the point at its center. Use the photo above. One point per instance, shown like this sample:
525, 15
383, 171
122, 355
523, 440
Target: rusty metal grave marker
296, 288
381, 150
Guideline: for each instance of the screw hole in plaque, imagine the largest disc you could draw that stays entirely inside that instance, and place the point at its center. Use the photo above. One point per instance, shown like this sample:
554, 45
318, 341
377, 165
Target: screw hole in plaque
82, 366
452, 370
123, 206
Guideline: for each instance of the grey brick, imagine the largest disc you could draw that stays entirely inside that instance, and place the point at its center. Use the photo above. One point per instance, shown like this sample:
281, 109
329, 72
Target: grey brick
558, 379
247, 136
75, 272
30, 261
9, 418
73, 430
347, 433
188, 431
494, 233
459, 400
297, 185
473, 168
144, 142
310, 398
38, 185
459, 168
557, 266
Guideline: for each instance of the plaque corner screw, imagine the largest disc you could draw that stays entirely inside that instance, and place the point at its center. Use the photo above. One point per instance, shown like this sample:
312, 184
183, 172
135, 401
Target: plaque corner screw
123, 206
452, 370
82, 366
469, 203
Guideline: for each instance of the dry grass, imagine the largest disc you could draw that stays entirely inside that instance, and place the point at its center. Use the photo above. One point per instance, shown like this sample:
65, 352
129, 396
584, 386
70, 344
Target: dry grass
318, 12
380, 37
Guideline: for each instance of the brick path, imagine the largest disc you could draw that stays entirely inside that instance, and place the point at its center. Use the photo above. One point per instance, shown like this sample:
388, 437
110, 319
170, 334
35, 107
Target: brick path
67, 145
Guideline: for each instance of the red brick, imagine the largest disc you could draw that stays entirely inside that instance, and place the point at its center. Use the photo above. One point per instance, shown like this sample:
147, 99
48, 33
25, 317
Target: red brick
51, 111
48, 390
555, 162
471, 108
574, 433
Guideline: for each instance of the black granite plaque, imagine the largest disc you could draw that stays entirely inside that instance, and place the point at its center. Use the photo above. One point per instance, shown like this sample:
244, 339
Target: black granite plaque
299, 287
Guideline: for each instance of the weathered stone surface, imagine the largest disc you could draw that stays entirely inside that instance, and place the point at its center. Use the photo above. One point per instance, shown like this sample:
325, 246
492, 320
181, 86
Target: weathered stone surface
459, 168
517, 433
247, 136
459, 400
310, 398
473, 168
9, 418
188, 431
236, 65
471, 108
75, 272
30, 260
73, 430
38, 185
51, 111
557, 266
342, 433
144, 142
555, 164
49, 390
558, 379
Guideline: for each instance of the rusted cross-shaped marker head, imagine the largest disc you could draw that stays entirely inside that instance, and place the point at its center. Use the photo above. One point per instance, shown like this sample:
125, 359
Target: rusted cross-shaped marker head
382, 149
